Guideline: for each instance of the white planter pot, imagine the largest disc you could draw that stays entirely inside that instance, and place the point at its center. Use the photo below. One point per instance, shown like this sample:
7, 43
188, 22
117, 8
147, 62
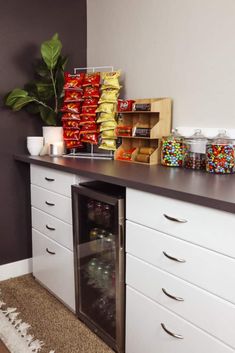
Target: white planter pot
51, 134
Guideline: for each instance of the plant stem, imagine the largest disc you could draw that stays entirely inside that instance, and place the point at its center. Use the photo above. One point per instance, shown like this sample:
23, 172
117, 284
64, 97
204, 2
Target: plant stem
41, 103
55, 92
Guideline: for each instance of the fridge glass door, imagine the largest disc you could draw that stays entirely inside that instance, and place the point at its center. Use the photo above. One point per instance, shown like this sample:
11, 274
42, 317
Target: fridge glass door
97, 262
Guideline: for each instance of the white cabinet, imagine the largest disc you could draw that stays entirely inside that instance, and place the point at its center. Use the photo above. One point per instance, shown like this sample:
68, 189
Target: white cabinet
52, 236
180, 272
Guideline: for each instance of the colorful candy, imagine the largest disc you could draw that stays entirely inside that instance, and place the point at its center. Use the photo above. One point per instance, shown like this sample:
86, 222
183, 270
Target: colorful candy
195, 161
172, 154
220, 158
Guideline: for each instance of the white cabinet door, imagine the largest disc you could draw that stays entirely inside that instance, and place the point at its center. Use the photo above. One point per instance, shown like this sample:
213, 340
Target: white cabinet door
49, 202
53, 266
144, 333
183, 298
207, 269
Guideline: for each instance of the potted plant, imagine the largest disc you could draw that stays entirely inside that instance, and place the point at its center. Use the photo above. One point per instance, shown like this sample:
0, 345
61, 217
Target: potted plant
44, 95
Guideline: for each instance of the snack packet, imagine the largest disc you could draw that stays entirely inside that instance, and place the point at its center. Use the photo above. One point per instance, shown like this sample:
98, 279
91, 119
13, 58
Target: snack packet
109, 95
90, 102
87, 120
108, 145
72, 124
92, 79
125, 105
108, 125
106, 117
110, 79
91, 91
89, 129
73, 116
73, 144
72, 107
108, 134
106, 108
71, 134
88, 111
125, 155
90, 138
124, 130
73, 81
73, 96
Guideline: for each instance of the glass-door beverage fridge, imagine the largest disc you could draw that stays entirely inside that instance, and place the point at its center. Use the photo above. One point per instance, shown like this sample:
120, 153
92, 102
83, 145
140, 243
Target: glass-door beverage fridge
99, 238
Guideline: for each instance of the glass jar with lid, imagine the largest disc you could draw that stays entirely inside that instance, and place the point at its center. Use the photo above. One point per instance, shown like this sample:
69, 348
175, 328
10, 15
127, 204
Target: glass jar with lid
220, 154
195, 151
172, 152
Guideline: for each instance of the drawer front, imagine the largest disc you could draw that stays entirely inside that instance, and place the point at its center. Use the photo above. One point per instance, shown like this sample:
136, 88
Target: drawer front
190, 301
207, 227
145, 334
204, 268
54, 204
53, 228
53, 180
56, 271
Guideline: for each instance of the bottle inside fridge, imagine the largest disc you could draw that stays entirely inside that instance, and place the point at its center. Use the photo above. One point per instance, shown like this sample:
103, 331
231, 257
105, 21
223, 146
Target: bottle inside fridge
98, 218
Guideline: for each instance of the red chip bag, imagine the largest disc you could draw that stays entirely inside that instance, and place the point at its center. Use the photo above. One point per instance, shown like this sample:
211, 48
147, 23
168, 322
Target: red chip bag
90, 138
87, 120
91, 91
90, 102
72, 107
73, 81
72, 124
89, 128
73, 96
125, 105
88, 111
71, 134
92, 79
73, 144
73, 116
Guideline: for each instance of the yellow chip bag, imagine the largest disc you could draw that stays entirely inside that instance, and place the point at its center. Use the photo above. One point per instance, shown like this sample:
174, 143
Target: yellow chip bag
108, 145
109, 95
106, 108
106, 117
108, 134
110, 79
108, 125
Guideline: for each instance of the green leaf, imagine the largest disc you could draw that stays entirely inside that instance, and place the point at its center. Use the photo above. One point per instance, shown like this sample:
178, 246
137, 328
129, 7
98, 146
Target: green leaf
42, 69
21, 102
45, 90
50, 51
48, 115
14, 95
56, 36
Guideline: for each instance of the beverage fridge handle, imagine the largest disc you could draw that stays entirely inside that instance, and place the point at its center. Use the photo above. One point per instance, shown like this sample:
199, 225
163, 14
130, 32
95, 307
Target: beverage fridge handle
121, 235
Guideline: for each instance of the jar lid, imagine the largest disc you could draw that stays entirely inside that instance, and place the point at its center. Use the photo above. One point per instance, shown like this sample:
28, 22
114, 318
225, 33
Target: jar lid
174, 135
222, 138
197, 136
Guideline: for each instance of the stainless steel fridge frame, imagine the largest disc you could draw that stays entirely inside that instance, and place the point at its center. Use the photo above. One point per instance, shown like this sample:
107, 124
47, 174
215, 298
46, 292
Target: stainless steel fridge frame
119, 206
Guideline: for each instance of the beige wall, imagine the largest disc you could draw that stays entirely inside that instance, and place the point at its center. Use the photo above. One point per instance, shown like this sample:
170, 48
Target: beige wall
184, 49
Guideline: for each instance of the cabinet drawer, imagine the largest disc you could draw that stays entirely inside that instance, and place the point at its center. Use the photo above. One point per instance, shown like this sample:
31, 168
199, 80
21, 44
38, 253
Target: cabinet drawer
151, 281
52, 179
145, 334
204, 268
207, 227
54, 204
53, 228
56, 271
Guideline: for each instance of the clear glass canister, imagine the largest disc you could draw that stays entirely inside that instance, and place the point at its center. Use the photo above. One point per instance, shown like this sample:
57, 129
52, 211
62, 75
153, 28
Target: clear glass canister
195, 151
220, 154
172, 152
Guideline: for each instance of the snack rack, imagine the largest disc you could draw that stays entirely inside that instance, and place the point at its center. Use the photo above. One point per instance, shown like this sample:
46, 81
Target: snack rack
92, 154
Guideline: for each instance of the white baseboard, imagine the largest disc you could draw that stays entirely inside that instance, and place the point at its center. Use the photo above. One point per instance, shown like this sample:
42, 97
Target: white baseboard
15, 269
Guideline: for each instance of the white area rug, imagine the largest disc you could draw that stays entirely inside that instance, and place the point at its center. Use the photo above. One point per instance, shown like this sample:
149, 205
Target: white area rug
14, 332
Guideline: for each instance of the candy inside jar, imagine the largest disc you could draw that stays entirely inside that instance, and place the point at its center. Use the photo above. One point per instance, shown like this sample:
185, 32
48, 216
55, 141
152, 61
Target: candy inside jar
220, 154
195, 151
173, 149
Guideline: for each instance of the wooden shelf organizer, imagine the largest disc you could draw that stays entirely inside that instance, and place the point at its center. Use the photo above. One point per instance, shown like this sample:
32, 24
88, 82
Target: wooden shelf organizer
159, 121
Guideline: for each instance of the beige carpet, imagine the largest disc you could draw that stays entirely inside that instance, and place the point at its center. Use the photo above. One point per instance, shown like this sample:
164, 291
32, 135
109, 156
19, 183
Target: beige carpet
51, 321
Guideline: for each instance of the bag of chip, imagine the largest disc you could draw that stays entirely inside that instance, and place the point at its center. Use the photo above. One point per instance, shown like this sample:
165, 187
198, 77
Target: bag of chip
89, 129
73, 116
72, 124
125, 105
109, 95
90, 102
90, 138
73, 81
91, 91
110, 79
88, 111
106, 117
73, 96
108, 145
71, 134
87, 120
92, 79
106, 108
108, 134
108, 125
72, 107
73, 144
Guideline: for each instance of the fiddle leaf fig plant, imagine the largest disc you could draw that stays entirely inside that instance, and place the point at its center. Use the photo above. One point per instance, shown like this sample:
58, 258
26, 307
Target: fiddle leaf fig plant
44, 95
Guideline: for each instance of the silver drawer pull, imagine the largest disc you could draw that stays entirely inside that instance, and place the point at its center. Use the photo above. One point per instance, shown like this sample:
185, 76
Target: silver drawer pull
179, 220
49, 228
175, 335
49, 179
49, 203
50, 252
173, 258
179, 299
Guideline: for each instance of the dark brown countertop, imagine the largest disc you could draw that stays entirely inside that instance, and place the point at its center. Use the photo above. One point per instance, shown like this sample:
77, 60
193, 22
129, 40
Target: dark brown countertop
216, 191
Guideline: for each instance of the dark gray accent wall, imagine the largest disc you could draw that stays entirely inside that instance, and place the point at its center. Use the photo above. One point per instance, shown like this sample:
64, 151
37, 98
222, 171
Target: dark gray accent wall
23, 26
